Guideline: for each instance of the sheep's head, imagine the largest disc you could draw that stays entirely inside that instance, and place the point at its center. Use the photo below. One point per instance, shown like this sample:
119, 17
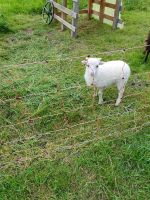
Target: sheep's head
91, 64
91, 67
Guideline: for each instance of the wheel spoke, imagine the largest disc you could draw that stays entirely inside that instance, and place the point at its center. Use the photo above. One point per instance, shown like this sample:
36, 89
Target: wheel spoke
48, 20
46, 10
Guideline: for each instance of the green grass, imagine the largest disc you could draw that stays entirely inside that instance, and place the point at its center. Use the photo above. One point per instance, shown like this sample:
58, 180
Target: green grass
102, 160
117, 169
19, 7
137, 5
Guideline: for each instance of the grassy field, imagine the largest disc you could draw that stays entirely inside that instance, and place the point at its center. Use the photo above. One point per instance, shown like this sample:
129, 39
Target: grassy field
56, 141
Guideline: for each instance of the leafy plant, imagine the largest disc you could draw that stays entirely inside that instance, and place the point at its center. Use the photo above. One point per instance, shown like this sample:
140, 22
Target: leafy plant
4, 28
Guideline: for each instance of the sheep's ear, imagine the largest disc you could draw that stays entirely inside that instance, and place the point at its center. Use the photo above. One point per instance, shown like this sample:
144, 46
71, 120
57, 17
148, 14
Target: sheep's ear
84, 62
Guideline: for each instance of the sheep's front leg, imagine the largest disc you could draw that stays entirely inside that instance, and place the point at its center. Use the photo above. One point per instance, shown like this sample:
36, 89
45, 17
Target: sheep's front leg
95, 92
100, 93
120, 95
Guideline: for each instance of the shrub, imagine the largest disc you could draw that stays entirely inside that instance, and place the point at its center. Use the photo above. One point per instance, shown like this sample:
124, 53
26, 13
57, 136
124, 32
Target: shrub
3, 25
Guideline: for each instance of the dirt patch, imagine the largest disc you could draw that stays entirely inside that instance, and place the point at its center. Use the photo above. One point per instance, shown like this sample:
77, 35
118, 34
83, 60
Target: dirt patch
29, 31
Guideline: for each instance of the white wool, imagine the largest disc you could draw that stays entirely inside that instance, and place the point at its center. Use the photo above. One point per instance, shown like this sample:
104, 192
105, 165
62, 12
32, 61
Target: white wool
101, 75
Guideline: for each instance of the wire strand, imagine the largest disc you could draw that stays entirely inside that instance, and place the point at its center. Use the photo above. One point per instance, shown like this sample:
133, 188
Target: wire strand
136, 129
76, 125
31, 119
78, 86
74, 57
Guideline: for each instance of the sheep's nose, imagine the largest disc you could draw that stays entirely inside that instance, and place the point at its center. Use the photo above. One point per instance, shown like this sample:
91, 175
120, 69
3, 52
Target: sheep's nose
92, 73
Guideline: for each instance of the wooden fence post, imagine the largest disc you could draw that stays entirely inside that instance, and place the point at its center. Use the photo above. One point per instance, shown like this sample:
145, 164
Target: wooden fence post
116, 14
102, 10
90, 8
55, 9
63, 15
75, 20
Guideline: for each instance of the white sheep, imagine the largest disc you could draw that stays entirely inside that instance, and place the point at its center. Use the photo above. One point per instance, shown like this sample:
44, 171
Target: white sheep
103, 74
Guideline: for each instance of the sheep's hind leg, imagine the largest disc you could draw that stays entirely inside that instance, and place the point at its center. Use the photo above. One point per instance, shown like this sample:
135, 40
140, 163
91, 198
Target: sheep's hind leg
100, 93
121, 88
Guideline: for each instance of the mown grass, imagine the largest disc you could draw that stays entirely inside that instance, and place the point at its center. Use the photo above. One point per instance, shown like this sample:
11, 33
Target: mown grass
117, 169
99, 160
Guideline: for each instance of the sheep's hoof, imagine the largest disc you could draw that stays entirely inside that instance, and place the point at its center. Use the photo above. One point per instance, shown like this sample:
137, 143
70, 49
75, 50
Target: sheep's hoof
117, 104
101, 102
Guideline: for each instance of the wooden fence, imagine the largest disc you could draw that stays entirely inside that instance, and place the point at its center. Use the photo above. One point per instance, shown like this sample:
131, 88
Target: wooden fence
100, 12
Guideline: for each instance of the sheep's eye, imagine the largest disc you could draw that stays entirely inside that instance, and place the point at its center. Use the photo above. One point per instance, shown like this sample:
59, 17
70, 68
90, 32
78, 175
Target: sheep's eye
96, 66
